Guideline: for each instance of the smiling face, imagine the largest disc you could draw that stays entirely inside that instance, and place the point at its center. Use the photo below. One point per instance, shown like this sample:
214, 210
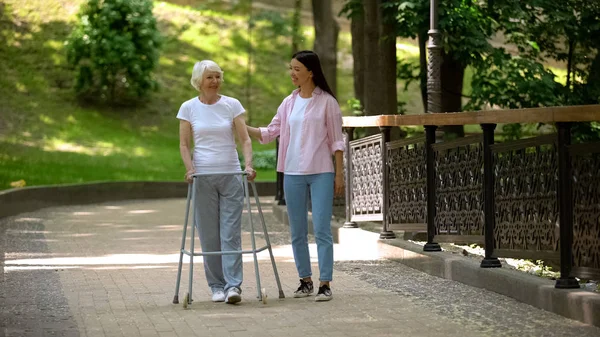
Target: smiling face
299, 73
211, 82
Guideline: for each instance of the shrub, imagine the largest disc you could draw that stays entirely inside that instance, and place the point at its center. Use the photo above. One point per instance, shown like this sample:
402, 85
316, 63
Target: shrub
264, 160
114, 49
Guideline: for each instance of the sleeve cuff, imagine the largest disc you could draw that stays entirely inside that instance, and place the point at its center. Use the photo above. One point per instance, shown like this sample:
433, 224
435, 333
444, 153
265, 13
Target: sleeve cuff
338, 146
265, 136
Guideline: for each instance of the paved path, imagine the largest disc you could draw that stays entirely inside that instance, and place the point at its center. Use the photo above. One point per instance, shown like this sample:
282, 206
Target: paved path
109, 270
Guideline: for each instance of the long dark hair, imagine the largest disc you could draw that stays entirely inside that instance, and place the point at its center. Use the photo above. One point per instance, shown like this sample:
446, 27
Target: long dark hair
310, 59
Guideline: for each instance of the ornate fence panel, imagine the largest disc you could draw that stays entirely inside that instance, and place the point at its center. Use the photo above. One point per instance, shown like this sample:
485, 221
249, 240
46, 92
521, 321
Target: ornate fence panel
585, 160
407, 201
526, 180
459, 190
366, 177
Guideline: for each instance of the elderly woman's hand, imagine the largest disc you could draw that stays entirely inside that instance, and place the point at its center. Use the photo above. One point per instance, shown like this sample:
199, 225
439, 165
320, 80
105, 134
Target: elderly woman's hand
188, 176
251, 173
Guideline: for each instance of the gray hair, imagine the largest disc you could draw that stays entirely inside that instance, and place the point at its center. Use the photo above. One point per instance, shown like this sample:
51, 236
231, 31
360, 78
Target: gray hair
200, 68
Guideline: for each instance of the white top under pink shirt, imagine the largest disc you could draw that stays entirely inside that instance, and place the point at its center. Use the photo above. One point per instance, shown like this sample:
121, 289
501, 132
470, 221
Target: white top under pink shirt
320, 133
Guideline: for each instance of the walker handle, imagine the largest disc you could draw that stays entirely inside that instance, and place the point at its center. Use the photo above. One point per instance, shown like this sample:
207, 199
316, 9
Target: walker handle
220, 173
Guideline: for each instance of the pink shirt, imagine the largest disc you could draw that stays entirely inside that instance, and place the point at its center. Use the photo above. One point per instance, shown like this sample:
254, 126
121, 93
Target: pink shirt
321, 132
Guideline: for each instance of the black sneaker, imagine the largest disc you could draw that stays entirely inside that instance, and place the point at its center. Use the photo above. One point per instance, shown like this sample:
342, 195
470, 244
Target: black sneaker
324, 294
305, 289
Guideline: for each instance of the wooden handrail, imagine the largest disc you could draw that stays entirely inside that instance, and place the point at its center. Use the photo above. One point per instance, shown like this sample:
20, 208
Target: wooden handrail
578, 113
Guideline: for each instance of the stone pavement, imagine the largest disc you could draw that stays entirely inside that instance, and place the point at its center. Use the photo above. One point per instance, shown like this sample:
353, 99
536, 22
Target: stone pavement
109, 270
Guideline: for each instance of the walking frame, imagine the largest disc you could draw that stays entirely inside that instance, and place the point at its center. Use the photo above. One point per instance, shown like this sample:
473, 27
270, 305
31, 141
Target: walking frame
191, 196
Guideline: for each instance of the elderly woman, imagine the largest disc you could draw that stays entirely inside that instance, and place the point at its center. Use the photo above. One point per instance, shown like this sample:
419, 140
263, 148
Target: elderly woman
211, 120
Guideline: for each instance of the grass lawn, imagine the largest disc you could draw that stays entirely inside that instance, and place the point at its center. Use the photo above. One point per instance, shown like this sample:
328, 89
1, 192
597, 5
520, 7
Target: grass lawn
47, 137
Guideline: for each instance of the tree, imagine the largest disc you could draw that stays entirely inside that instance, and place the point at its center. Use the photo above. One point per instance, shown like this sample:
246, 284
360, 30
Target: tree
565, 31
326, 36
373, 99
114, 49
296, 33
374, 55
388, 61
354, 10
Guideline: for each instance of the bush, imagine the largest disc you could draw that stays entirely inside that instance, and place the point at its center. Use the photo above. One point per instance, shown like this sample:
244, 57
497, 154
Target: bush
264, 160
114, 49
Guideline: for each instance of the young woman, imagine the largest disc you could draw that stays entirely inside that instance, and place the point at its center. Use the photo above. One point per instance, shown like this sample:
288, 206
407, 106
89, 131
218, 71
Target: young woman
309, 124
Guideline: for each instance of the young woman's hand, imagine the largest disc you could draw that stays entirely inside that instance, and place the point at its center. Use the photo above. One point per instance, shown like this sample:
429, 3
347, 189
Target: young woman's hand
339, 184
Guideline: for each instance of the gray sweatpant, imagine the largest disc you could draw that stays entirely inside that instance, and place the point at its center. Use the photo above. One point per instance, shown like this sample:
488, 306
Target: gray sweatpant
218, 218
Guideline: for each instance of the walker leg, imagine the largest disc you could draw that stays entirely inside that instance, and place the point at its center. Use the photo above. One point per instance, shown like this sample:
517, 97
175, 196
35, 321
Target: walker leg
264, 226
253, 240
192, 239
187, 212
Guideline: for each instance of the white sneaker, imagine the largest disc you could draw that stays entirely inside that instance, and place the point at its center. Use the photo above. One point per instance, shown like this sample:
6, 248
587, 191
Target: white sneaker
233, 295
218, 296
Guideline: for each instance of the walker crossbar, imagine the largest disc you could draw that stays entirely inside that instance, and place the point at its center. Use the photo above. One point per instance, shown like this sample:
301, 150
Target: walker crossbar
191, 200
238, 173
230, 252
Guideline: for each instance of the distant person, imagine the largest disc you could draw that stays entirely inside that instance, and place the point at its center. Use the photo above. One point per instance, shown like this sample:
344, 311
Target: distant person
309, 123
211, 119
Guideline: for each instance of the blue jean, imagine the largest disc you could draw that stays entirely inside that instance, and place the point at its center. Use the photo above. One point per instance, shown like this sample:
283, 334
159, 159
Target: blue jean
218, 218
296, 188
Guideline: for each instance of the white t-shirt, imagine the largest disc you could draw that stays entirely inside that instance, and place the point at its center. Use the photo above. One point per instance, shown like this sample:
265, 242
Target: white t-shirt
296, 119
212, 127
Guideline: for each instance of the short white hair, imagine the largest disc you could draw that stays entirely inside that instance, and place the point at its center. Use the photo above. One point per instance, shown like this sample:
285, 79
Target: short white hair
200, 68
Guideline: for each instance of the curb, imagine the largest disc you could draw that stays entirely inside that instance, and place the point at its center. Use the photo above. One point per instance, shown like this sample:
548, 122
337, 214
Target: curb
576, 304
28, 199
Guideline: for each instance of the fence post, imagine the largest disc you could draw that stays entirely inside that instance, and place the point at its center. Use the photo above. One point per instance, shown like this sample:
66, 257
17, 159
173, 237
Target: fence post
279, 194
385, 137
565, 204
348, 176
489, 206
430, 246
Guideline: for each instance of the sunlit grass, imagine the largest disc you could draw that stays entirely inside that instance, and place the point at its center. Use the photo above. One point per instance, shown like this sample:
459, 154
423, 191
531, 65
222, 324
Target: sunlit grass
48, 138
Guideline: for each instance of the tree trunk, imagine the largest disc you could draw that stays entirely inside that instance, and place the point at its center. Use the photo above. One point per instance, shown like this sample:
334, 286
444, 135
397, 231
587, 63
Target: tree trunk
373, 75
423, 38
357, 30
570, 63
296, 30
592, 86
388, 63
326, 36
373, 104
452, 84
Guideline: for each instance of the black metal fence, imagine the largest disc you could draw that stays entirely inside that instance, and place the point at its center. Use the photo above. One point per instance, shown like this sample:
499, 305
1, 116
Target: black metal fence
535, 198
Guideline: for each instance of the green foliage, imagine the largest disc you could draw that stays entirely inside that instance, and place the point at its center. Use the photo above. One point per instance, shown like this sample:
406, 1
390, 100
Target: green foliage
355, 106
464, 25
566, 31
263, 160
408, 70
586, 132
351, 8
114, 49
513, 83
